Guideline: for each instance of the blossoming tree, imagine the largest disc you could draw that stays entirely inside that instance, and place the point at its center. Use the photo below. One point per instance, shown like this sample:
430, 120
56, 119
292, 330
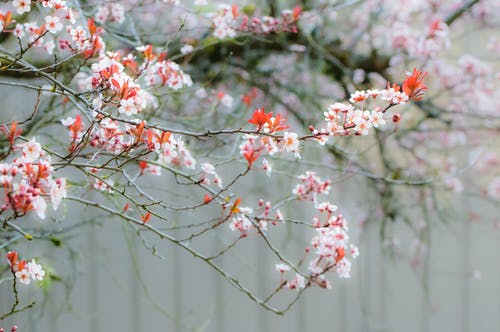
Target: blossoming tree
212, 96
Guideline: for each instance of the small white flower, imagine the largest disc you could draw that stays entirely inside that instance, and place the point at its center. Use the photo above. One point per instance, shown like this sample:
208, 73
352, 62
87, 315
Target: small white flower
227, 101
354, 251
53, 24
344, 268
32, 150
377, 119
35, 270
201, 93
57, 192
208, 168
117, 13
282, 268
23, 276
291, 143
22, 6
186, 49
128, 107
297, 284
267, 167
49, 46
40, 206
101, 14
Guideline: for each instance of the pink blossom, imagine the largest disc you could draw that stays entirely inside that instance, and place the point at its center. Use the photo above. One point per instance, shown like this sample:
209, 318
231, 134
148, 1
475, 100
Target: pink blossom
22, 6
53, 24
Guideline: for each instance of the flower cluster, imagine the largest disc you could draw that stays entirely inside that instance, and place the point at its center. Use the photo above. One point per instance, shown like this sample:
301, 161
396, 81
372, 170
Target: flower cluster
167, 73
240, 220
116, 87
114, 12
170, 149
241, 217
209, 175
114, 78
27, 182
405, 38
254, 145
228, 20
89, 43
56, 14
23, 271
331, 242
310, 186
116, 137
223, 21
265, 215
344, 119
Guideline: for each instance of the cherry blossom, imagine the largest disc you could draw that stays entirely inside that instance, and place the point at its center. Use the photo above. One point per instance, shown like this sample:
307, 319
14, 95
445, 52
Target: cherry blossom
53, 24
25, 272
22, 6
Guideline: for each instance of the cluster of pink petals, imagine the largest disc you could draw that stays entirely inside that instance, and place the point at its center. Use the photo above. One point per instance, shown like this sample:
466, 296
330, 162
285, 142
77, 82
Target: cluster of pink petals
330, 246
53, 19
23, 271
228, 20
241, 220
112, 12
344, 119
27, 182
310, 186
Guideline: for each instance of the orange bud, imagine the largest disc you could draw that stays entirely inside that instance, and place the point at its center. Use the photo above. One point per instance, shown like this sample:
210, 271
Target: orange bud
145, 218
126, 207
12, 257
207, 199
235, 208
340, 254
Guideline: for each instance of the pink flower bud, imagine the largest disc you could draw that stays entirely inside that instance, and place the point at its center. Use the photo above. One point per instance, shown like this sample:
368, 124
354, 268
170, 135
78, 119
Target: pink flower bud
396, 118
